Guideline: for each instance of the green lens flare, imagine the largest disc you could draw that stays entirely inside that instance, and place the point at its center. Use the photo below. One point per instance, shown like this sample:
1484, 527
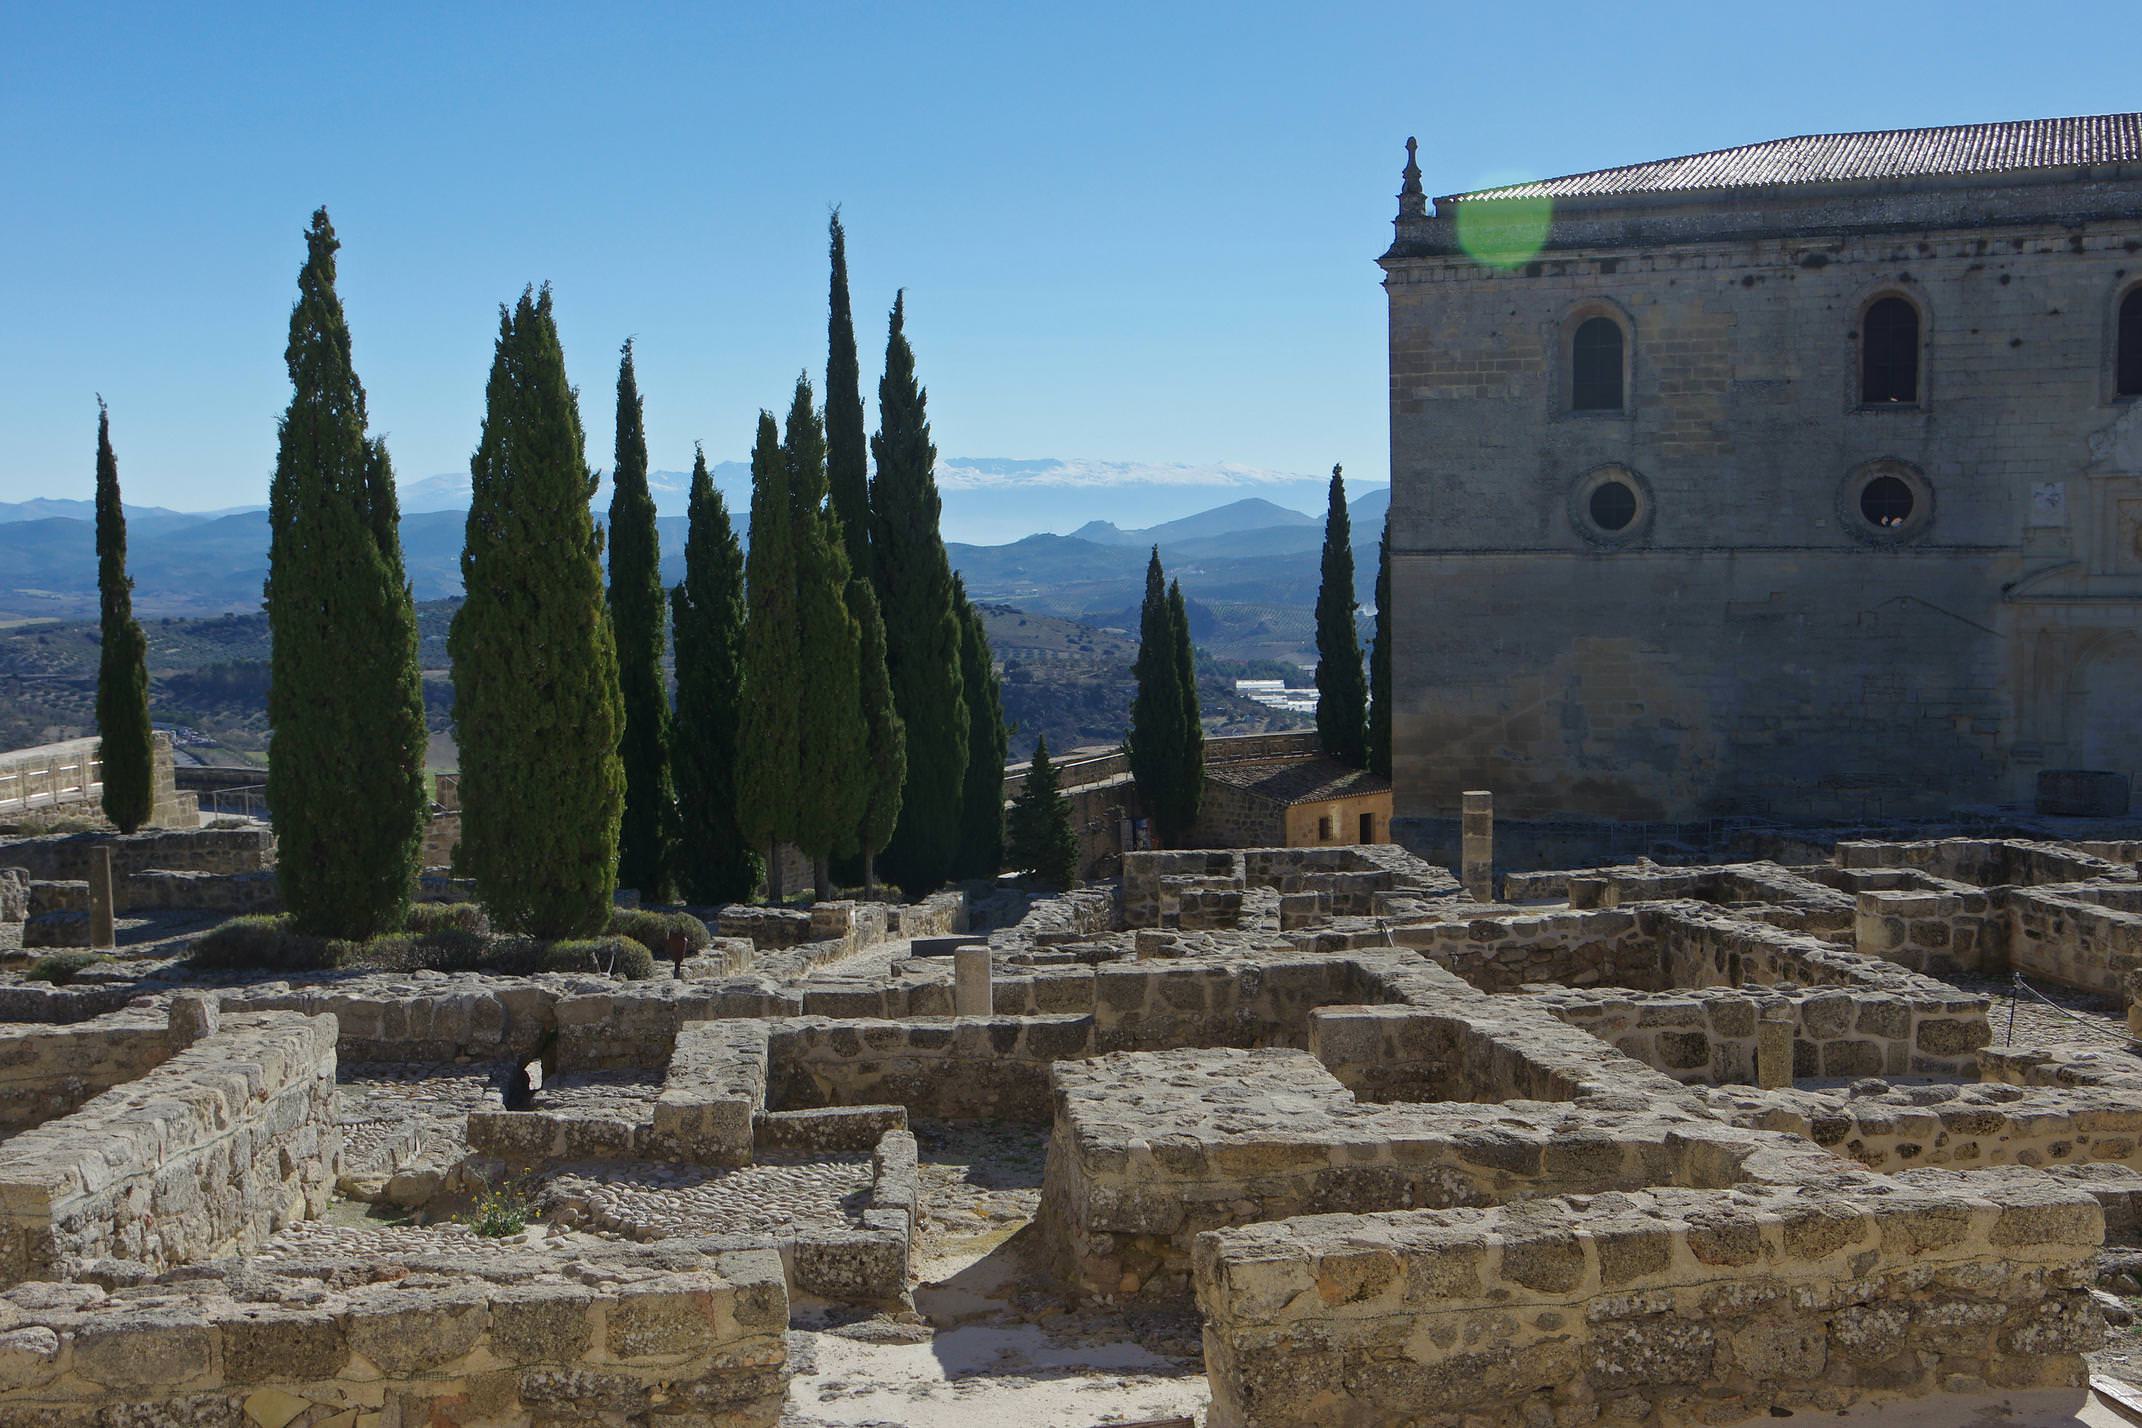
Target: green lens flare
1504, 232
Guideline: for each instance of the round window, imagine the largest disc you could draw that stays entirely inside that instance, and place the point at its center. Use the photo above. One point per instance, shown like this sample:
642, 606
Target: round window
1612, 505
1886, 502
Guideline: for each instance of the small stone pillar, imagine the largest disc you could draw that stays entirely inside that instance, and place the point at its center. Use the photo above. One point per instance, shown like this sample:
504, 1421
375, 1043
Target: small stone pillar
102, 925
193, 1015
1476, 861
1773, 1048
971, 995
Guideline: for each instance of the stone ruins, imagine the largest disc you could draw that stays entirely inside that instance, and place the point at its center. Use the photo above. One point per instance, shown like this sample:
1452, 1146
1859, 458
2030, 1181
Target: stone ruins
1262, 1137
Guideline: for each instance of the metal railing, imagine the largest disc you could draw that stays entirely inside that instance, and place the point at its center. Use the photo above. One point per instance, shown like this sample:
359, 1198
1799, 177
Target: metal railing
51, 775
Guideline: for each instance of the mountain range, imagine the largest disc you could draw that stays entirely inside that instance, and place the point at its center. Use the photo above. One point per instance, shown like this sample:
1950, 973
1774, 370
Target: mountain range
1250, 564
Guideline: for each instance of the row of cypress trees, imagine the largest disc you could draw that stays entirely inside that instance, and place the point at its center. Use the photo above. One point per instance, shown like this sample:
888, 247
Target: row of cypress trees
803, 713
1353, 710
1167, 734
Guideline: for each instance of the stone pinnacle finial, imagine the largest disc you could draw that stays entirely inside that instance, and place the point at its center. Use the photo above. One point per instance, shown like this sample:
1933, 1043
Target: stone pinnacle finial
1412, 202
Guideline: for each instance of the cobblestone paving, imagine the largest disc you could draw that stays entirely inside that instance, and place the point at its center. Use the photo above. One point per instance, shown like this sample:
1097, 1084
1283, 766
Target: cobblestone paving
629, 1094
2078, 1021
778, 1197
381, 1103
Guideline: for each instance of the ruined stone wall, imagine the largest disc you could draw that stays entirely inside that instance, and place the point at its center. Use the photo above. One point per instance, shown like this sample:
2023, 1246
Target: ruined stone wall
47, 1071
1899, 673
1655, 1306
210, 1152
66, 856
684, 1337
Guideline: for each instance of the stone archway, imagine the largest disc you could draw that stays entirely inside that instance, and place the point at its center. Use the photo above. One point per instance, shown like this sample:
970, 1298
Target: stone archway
2102, 712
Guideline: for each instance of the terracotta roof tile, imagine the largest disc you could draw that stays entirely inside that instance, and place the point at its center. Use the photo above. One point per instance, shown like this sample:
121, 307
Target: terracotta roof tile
1315, 779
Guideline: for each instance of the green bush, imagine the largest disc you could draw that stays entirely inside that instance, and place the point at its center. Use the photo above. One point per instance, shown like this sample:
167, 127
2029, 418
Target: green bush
614, 956
447, 949
261, 941
59, 968
446, 938
427, 918
651, 929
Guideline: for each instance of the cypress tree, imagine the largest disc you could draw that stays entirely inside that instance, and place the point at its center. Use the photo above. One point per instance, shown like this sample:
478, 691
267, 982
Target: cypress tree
1379, 713
886, 736
125, 744
1189, 788
537, 709
981, 837
1155, 742
922, 633
643, 856
768, 753
714, 862
1042, 840
1341, 689
346, 736
832, 736
847, 456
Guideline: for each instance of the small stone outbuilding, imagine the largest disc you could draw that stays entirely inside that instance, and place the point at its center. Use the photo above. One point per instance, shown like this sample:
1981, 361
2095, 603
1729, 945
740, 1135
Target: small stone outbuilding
1293, 802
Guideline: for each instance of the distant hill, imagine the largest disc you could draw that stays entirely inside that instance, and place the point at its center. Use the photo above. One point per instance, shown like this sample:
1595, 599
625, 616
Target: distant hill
1251, 563
1253, 513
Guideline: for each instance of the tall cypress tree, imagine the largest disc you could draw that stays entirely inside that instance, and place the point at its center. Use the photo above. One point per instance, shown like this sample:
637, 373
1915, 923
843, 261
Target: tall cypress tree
981, 835
1341, 688
768, 754
537, 711
847, 456
714, 861
922, 633
346, 737
1189, 789
643, 857
1379, 713
832, 736
886, 736
1042, 841
1155, 742
125, 744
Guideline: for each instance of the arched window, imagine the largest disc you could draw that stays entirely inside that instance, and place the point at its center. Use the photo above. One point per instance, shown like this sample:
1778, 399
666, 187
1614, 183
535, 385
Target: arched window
1595, 366
1889, 353
2128, 376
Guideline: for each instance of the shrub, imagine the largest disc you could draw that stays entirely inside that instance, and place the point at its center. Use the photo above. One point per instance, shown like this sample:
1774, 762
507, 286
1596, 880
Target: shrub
501, 1210
59, 968
613, 956
651, 929
428, 918
447, 949
261, 941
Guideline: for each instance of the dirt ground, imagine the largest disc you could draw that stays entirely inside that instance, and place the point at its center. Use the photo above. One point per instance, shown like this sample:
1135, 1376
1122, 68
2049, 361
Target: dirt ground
991, 1341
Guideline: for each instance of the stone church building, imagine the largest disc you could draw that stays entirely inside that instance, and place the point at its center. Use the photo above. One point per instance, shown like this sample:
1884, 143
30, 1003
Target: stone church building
1800, 480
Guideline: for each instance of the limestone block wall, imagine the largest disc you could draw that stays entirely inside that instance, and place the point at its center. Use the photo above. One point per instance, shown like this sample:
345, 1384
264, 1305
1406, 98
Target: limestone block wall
210, 1152
66, 856
2086, 937
1895, 1128
1654, 1306
971, 1068
1707, 1036
1151, 1150
690, 1338
48, 1071
1988, 862
1579, 949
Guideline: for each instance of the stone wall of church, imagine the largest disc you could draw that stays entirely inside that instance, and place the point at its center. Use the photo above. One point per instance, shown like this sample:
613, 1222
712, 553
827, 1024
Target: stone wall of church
1750, 643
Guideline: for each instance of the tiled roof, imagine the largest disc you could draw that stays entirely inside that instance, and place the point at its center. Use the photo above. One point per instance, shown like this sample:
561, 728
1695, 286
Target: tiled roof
1844, 158
1314, 779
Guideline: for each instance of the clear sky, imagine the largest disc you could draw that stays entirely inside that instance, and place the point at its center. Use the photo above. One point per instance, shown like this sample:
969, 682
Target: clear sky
1142, 232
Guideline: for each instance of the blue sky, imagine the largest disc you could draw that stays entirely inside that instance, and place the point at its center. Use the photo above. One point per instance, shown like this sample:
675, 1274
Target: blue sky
1133, 233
